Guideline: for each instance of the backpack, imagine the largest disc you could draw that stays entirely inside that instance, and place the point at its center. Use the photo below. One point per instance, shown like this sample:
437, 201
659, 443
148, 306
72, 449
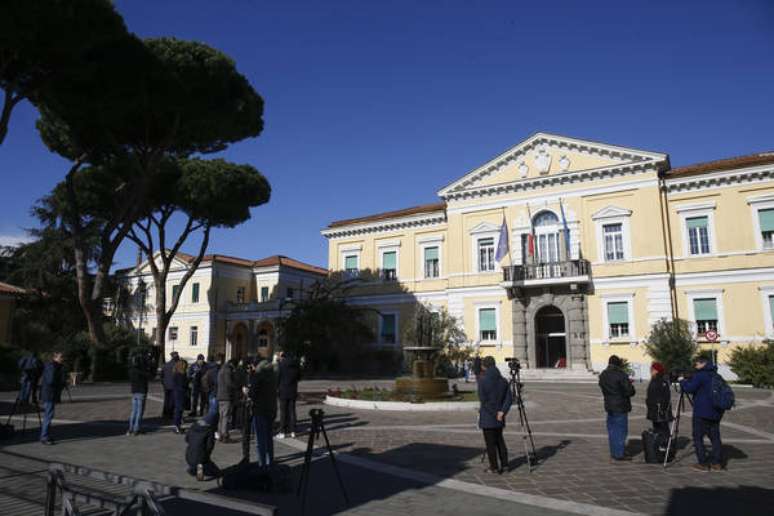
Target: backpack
722, 395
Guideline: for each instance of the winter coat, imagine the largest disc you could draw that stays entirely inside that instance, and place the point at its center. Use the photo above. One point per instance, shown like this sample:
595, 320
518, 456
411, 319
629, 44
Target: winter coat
201, 441
167, 375
226, 382
263, 390
138, 378
195, 375
53, 382
288, 376
659, 399
700, 385
31, 367
477, 366
617, 390
180, 375
209, 380
495, 396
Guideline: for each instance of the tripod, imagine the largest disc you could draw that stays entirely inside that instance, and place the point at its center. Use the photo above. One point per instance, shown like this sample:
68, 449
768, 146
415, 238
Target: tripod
676, 424
317, 428
516, 389
23, 403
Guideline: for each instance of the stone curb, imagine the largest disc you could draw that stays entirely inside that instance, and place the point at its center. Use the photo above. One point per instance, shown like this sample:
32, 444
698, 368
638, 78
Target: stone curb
403, 406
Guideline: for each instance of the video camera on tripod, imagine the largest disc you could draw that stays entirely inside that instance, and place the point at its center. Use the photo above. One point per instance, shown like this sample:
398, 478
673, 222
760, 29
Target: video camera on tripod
514, 365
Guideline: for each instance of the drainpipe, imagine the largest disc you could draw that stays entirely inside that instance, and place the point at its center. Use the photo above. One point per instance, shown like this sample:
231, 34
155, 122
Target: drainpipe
666, 233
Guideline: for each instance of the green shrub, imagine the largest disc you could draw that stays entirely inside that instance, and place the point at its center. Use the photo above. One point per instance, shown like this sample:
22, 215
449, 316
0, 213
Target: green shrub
672, 344
754, 364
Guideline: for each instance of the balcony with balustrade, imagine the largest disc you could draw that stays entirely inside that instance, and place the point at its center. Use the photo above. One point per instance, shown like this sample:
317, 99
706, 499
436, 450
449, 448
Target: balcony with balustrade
569, 272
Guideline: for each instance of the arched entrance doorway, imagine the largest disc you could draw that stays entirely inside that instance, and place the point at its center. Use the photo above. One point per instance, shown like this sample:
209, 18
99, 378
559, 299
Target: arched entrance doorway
239, 342
550, 338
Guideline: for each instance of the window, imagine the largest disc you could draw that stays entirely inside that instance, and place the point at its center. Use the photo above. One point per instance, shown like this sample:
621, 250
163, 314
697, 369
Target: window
771, 313
194, 335
698, 235
195, 293
486, 255
290, 293
351, 265
172, 332
390, 265
263, 338
240, 295
614, 247
487, 324
388, 332
618, 319
264, 294
705, 312
766, 222
175, 290
431, 262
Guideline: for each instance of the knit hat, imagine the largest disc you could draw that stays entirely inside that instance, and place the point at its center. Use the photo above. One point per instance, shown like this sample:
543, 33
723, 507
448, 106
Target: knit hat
658, 366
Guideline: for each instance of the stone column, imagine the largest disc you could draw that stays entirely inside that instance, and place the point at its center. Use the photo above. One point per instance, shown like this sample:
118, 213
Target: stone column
520, 338
577, 333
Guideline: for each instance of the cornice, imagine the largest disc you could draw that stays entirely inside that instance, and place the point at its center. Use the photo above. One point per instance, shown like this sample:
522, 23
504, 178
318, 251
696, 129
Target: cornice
423, 220
720, 179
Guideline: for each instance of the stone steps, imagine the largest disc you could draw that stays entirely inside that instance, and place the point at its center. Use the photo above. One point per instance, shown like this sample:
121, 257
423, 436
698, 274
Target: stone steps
555, 375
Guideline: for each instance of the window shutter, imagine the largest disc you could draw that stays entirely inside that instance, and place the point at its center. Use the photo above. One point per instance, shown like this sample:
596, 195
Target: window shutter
389, 260
195, 293
705, 310
350, 262
766, 219
431, 253
487, 320
388, 325
696, 222
618, 313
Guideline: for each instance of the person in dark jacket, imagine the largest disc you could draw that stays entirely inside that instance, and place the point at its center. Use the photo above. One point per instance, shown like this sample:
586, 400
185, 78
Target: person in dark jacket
210, 386
706, 418
263, 394
618, 390
50, 393
288, 376
139, 373
477, 366
225, 400
168, 382
179, 384
659, 401
200, 440
496, 399
198, 398
31, 368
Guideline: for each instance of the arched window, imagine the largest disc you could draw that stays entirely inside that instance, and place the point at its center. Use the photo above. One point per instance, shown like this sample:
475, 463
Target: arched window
546, 225
545, 218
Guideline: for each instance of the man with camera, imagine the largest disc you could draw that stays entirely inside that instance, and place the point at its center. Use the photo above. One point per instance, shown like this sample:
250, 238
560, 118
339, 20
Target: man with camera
51, 392
706, 415
30, 368
140, 370
496, 400
617, 390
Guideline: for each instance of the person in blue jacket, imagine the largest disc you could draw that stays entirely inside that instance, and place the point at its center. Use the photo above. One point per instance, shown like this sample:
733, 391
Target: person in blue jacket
496, 400
706, 418
50, 393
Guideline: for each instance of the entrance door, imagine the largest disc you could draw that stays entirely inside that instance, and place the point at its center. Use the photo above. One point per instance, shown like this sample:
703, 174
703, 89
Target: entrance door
550, 338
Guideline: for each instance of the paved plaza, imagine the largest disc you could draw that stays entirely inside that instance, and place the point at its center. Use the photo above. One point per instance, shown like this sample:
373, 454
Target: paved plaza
426, 462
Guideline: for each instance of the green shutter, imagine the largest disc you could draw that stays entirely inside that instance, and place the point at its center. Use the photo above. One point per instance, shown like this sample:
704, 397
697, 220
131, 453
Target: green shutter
487, 320
705, 310
350, 263
175, 288
771, 307
389, 260
696, 222
766, 218
388, 325
431, 253
195, 293
618, 313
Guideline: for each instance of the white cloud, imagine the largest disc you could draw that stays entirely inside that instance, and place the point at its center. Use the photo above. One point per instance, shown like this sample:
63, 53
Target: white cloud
14, 240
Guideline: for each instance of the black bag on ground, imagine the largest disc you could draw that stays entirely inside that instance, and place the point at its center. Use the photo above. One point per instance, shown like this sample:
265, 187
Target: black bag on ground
654, 446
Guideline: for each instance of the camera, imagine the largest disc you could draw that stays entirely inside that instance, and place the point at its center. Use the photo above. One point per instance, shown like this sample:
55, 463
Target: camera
514, 364
674, 375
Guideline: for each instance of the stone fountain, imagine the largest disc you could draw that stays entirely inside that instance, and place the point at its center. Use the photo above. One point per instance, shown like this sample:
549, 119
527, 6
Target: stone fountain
422, 383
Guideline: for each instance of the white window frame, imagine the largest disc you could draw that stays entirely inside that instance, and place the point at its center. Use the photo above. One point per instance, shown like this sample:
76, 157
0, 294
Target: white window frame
757, 203
268, 293
480, 232
397, 329
389, 247
191, 331
476, 261
350, 250
433, 241
690, 211
498, 338
624, 221
767, 316
717, 294
619, 298
176, 333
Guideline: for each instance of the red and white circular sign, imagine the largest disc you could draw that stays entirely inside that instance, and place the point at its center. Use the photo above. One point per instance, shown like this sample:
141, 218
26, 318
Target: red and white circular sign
711, 335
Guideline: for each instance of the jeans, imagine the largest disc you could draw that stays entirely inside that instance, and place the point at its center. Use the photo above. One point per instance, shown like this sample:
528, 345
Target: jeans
617, 430
711, 429
179, 399
138, 409
224, 409
26, 390
495, 447
212, 410
264, 440
287, 416
198, 402
48, 416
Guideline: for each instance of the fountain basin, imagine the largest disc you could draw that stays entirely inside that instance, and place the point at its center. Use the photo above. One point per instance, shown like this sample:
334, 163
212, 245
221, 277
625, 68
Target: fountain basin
424, 388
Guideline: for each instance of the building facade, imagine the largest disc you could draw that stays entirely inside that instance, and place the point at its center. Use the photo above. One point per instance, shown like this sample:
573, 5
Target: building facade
229, 304
600, 242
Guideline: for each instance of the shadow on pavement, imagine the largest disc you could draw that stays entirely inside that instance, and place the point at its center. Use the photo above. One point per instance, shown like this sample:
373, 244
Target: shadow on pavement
744, 500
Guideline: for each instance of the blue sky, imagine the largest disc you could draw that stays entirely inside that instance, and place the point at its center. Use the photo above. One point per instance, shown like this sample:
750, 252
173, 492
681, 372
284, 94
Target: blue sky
375, 105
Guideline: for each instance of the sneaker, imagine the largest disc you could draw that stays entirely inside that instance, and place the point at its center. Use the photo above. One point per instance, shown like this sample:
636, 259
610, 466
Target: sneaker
702, 468
716, 467
293, 435
490, 471
47, 442
217, 436
129, 432
280, 435
178, 430
199, 472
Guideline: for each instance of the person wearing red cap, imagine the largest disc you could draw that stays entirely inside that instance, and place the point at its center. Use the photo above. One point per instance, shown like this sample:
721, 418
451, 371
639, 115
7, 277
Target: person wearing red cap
659, 401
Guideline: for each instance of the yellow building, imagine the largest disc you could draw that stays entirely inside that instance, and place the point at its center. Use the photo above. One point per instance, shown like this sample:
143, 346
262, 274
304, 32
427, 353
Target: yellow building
8, 295
228, 305
602, 242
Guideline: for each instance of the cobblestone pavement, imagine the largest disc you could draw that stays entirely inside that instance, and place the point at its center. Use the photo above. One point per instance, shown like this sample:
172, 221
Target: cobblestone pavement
430, 463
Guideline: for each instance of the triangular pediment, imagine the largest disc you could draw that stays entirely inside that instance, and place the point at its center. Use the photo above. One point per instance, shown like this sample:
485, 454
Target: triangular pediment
610, 212
484, 227
545, 154
144, 266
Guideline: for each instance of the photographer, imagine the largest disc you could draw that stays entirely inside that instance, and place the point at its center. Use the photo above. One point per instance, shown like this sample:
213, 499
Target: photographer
168, 382
496, 400
706, 417
200, 441
288, 376
618, 390
659, 401
198, 397
139, 373
263, 393
226, 385
30, 367
51, 393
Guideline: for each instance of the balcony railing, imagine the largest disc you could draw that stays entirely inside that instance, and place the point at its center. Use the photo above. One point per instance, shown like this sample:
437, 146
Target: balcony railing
557, 272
